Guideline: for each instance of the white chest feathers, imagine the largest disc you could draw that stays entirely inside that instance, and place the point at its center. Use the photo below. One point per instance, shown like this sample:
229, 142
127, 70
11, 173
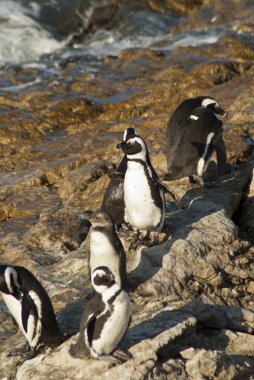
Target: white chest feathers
115, 326
140, 209
102, 253
204, 160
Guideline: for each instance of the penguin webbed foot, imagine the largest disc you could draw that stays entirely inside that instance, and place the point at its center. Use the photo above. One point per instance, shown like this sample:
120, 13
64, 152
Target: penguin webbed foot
155, 239
150, 242
29, 355
136, 242
117, 357
24, 353
147, 238
19, 351
139, 240
123, 355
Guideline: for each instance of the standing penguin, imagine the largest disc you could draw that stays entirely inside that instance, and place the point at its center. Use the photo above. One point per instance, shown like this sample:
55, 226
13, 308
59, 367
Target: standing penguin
113, 201
106, 248
180, 140
31, 307
143, 191
105, 320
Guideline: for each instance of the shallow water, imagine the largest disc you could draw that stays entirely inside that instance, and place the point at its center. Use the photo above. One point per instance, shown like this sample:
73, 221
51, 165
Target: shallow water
39, 35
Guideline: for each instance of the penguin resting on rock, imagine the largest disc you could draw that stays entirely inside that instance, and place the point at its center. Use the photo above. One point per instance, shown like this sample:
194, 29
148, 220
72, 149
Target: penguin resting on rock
105, 320
106, 248
188, 139
143, 191
31, 307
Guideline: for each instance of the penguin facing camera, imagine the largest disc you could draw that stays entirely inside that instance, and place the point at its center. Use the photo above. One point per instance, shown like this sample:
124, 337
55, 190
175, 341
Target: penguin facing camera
143, 191
113, 201
193, 133
105, 320
31, 307
106, 248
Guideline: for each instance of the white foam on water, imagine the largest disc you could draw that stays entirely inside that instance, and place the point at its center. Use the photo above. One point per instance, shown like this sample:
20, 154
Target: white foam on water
22, 38
195, 40
105, 42
21, 86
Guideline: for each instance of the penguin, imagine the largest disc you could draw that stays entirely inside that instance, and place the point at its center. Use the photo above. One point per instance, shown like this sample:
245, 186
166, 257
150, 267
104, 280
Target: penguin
143, 191
179, 140
31, 307
113, 201
105, 320
106, 248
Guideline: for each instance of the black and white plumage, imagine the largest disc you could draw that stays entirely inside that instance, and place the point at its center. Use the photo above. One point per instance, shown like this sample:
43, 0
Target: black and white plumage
143, 191
31, 307
189, 140
106, 248
105, 319
113, 201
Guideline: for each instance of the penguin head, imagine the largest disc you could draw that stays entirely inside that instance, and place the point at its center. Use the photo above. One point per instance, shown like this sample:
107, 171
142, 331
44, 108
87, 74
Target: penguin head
209, 102
102, 279
10, 282
133, 145
100, 219
129, 132
205, 116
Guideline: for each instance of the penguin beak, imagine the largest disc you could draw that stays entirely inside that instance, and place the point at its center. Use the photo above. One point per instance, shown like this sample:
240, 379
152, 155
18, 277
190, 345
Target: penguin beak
109, 279
219, 111
93, 218
121, 145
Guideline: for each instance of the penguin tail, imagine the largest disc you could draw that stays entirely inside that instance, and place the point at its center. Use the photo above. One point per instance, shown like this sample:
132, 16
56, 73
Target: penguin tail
175, 197
54, 340
78, 350
73, 351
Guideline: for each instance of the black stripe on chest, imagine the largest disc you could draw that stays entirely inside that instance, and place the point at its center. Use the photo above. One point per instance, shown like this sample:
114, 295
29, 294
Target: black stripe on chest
97, 325
112, 299
153, 185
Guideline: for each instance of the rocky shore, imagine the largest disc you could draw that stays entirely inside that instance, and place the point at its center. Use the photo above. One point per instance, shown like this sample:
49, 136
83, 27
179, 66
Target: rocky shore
193, 295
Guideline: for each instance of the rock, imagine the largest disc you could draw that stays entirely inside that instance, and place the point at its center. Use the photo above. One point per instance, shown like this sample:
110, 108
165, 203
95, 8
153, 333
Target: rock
76, 182
217, 365
62, 232
194, 252
155, 340
192, 295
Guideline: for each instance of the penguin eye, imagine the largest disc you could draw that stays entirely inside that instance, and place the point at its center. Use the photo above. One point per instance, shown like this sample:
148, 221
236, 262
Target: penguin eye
131, 142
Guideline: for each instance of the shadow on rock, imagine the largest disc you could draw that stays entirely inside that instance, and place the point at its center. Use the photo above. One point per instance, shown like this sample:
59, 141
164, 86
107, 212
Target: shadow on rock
197, 325
203, 227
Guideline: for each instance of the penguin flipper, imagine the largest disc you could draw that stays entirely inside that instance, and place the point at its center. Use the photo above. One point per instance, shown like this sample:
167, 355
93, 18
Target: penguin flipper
167, 190
27, 307
121, 168
82, 348
163, 187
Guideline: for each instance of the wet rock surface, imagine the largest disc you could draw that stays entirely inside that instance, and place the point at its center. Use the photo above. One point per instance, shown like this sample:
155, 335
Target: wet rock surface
192, 295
